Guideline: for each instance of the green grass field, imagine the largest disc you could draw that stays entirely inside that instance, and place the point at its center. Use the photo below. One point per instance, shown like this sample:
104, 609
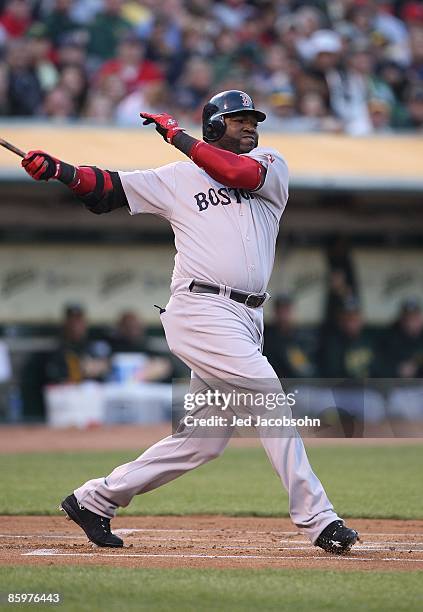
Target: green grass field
368, 482
108, 589
380, 481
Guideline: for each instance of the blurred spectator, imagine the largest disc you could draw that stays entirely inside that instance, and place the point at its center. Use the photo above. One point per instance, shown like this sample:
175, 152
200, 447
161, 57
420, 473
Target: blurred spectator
412, 13
98, 108
342, 282
83, 12
40, 50
151, 98
250, 44
391, 30
59, 104
281, 112
394, 75
415, 69
286, 346
349, 66
307, 21
287, 35
74, 80
380, 113
360, 98
24, 89
232, 13
275, 74
112, 87
348, 351
414, 109
106, 30
71, 52
195, 85
139, 15
338, 292
314, 115
323, 66
163, 40
130, 65
130, 337
129, 334
225, 55
59, 21
16, 18
402, 345
77, 358
339, 258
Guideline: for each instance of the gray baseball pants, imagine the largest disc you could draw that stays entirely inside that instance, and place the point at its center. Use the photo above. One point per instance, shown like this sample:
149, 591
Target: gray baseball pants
219, 340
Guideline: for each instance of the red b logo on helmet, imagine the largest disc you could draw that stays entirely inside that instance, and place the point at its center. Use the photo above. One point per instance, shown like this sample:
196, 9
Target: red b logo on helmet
246, 100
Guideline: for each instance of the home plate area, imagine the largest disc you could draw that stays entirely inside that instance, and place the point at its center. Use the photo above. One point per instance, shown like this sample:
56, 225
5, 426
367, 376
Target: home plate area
207, 541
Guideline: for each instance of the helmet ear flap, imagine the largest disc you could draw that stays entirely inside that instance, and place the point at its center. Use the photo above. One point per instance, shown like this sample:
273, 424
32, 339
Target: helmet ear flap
213, 127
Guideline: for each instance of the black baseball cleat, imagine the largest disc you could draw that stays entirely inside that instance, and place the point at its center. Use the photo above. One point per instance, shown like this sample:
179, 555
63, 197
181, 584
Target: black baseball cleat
336, 538
95, 526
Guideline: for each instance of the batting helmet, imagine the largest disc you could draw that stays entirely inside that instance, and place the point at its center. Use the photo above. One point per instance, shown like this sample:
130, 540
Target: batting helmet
225, 103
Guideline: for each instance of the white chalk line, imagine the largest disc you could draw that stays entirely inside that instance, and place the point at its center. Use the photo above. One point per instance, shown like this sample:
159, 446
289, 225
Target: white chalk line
357, 548
404, 535
45, 552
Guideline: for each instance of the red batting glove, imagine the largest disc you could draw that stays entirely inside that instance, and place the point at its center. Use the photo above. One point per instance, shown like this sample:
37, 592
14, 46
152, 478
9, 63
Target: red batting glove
166, 125
41, 166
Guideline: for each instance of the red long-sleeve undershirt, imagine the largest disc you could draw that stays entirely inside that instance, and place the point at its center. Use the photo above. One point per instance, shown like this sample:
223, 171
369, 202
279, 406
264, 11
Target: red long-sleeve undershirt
228, 168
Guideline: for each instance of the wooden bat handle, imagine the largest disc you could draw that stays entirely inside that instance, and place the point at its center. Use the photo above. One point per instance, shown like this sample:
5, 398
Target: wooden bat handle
10, 147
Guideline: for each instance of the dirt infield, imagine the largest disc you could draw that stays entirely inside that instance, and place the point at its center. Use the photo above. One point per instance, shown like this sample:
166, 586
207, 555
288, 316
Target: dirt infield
191, 541
207, 541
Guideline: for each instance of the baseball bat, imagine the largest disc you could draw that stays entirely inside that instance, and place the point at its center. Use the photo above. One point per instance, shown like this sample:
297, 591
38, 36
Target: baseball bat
12, 148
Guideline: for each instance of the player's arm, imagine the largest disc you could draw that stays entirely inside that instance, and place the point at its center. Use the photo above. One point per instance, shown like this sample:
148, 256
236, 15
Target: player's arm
100, 190
228, 168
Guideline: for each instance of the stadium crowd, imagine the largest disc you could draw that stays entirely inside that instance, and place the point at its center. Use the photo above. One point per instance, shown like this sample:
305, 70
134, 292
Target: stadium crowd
353, 66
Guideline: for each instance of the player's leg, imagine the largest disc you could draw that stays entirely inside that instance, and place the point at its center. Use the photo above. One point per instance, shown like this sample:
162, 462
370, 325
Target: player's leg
229, 355
93, 504
200, 332
164, 461
309, 507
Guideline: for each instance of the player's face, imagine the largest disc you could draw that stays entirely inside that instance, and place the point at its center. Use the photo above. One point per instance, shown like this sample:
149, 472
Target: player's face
241, 134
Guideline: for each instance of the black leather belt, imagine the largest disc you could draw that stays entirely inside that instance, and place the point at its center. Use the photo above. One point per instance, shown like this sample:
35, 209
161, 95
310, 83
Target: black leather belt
252, 300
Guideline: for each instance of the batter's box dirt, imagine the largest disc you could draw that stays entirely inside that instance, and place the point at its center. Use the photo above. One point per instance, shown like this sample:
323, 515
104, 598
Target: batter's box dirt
207, 541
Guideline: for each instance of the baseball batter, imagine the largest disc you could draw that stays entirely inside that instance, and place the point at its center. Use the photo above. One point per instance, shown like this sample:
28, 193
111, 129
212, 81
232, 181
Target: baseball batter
224, 204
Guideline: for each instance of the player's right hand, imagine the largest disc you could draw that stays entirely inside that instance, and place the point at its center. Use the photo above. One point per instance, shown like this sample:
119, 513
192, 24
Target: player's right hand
166, 125
41, 166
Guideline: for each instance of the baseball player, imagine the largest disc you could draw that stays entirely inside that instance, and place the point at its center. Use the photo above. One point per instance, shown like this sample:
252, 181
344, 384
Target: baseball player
224, 204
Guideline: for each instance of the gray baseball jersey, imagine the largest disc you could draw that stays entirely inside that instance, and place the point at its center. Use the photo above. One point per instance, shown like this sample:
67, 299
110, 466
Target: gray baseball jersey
225, 236
222, 235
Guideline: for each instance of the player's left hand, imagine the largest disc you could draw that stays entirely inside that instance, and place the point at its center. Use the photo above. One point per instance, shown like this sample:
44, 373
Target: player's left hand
166, 125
